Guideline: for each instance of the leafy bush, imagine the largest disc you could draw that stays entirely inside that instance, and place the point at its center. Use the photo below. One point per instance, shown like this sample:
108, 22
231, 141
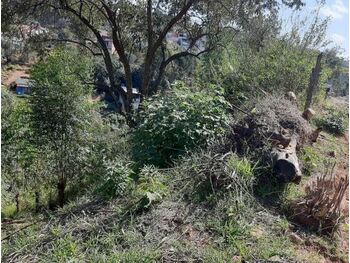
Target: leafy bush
334, 121
150, 189
178, 121
117, 179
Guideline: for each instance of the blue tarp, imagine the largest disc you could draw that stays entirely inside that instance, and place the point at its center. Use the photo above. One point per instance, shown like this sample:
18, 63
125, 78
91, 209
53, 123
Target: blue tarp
20, 90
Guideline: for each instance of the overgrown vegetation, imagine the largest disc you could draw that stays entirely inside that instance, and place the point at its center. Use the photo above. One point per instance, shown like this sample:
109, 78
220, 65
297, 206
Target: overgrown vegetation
190, 175
334, 120
181, 120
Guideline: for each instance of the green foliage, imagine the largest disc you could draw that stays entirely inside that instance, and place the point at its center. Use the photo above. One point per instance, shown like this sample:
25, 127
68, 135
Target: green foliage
21, 167
243, 168
58, 95
61, 115
136, 256
234, 233
277, 68
334, 121
311, 159
66, 249
116, 180
150, 189
180, 120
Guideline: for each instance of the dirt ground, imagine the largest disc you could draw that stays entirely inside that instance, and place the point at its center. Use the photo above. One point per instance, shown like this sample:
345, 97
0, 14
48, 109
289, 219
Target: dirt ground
12, 75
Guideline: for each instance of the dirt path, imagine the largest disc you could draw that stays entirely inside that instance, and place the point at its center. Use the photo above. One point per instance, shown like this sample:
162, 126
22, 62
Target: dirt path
13, 76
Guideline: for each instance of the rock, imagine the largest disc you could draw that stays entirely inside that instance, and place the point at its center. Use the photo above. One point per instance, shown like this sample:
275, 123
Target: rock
275, 259
237, 259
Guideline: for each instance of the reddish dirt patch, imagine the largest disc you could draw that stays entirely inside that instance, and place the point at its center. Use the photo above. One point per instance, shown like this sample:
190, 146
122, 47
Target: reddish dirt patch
13, 76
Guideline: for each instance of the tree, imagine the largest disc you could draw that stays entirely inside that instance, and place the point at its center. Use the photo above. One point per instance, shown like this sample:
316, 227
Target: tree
139, 28
20, 171
61, 113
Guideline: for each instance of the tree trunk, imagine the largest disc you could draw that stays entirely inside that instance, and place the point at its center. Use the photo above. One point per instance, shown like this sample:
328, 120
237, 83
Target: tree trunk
61, 187
17, 202
314, 77
37, 201
128, 79
285, 163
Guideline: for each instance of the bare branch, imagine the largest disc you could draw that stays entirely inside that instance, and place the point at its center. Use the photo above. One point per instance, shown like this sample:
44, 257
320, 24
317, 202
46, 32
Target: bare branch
74, 42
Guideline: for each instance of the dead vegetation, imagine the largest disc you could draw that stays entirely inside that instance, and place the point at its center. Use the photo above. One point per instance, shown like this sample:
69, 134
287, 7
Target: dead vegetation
320, 209
275, 130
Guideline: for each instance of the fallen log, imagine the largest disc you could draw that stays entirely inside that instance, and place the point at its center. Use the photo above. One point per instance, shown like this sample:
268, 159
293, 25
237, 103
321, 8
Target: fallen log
285, 162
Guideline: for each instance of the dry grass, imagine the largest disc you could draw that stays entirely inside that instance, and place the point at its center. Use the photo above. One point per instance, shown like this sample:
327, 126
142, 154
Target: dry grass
320, 209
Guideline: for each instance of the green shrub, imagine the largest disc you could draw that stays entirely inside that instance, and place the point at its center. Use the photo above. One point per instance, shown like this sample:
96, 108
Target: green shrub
150, 189
334, 121
118, 177
310, 159
180, 120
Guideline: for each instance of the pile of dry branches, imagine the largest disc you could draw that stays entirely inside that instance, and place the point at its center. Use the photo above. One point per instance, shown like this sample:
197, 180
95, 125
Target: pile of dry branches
274, 116
320, 209
273, 132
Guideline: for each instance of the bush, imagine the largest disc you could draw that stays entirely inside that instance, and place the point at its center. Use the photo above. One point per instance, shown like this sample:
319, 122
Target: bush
181, 120
278, 68
334, 121
243, 168
117, 179
207, 176
150, 189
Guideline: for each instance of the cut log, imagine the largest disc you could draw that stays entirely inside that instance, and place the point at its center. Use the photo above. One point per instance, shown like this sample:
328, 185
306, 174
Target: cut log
314, 135
308, 114
285, 163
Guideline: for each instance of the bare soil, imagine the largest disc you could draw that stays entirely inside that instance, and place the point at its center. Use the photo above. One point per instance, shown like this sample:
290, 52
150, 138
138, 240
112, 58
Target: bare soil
10, 76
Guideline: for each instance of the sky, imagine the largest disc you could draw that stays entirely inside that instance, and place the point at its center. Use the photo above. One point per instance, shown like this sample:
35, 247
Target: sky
338, 29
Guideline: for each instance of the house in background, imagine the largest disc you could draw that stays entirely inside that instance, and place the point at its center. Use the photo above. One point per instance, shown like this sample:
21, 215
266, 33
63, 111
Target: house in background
136, 98
183, 41
180, 39
108, 41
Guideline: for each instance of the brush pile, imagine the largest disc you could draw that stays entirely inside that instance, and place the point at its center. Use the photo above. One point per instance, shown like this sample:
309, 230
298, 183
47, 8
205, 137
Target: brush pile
275, 130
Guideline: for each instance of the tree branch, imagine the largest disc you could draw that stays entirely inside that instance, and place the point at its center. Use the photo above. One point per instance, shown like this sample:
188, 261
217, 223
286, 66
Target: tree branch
75, 42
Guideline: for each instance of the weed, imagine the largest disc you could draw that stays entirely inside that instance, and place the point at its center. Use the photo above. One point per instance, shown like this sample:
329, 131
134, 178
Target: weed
310, 159
150, 189
117, 180
334, 121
